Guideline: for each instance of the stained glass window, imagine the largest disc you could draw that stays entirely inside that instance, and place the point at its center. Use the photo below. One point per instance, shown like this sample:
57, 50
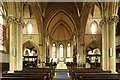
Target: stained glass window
61, 50
1, 29
54, 50
68, 50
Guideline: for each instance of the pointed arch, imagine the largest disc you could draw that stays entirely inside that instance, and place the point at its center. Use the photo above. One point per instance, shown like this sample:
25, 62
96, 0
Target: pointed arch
84, 14
33, 46
92, 45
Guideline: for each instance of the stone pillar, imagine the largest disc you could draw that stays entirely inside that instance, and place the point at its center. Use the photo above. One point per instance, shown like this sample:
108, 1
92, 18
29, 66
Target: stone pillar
104, 43
112, 26
19, 25
11, 57
10, 23
20, 48
43, 54
105, 37
113, 20
58, 51
65, 51
78, 50
108, 25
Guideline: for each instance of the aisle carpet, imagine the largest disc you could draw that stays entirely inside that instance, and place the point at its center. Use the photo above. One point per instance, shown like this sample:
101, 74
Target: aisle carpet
61, 74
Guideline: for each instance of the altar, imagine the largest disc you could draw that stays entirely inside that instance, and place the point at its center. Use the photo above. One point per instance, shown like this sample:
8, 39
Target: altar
61, 65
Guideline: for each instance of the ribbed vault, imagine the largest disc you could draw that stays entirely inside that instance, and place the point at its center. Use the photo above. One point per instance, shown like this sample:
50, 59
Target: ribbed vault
61, 26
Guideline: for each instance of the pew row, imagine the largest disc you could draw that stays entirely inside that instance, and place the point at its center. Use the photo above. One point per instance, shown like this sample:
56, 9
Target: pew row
26, 76
96, 76
85, 70
38, 70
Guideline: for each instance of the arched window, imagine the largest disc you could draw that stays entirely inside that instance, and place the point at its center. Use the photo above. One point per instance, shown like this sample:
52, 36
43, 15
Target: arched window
29, 28
61, 50
68, 50
54, 50
1, 29
94, 26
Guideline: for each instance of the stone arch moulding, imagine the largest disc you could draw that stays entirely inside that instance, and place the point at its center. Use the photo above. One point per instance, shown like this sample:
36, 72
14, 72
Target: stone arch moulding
38, 19
87, 8
88, 5
97, 45
30, 42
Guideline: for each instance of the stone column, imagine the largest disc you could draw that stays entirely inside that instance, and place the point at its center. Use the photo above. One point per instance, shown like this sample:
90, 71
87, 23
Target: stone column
20, 48
19, 26
64, 50
11, 57
105, 38
108, 37
78, 50
43, 54
58, 51
114, 20
10, 23
104, 43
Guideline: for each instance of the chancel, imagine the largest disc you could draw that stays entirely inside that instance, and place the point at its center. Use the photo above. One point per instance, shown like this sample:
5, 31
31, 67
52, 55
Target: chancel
59, 40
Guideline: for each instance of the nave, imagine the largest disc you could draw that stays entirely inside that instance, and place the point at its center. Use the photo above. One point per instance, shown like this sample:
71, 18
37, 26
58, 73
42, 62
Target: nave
60, 73
59, 40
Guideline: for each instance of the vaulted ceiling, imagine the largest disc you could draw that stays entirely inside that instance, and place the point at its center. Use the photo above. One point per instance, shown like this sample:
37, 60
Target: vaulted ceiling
61, 26
61, 20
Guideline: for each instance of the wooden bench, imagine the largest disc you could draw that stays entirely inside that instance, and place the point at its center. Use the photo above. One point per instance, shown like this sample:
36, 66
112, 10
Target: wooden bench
38, 70
96, 76
24, 78
85, 70
41, 76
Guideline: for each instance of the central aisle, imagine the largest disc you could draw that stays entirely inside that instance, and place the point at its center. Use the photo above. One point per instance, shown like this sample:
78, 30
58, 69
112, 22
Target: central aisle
62, 73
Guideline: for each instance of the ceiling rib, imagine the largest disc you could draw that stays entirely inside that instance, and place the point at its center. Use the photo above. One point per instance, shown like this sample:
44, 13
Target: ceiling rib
56, 15
58, 23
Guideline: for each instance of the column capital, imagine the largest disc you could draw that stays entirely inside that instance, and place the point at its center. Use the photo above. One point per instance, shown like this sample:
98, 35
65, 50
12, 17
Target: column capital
109, 20
113, 19
12, 19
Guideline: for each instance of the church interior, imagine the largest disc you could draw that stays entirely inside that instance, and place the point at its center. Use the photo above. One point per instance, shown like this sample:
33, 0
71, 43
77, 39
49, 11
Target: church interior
59, 40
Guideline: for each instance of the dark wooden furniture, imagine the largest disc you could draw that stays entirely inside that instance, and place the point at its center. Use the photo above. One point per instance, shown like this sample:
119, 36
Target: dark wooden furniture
94, 60
96, 76
29, 61
25, 76
74, 71
118, 60
38, 70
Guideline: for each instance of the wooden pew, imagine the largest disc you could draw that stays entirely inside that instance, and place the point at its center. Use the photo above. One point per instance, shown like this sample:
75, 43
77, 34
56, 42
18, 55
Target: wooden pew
27, 75
85, 70
24, 78
38, 70
96, 76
